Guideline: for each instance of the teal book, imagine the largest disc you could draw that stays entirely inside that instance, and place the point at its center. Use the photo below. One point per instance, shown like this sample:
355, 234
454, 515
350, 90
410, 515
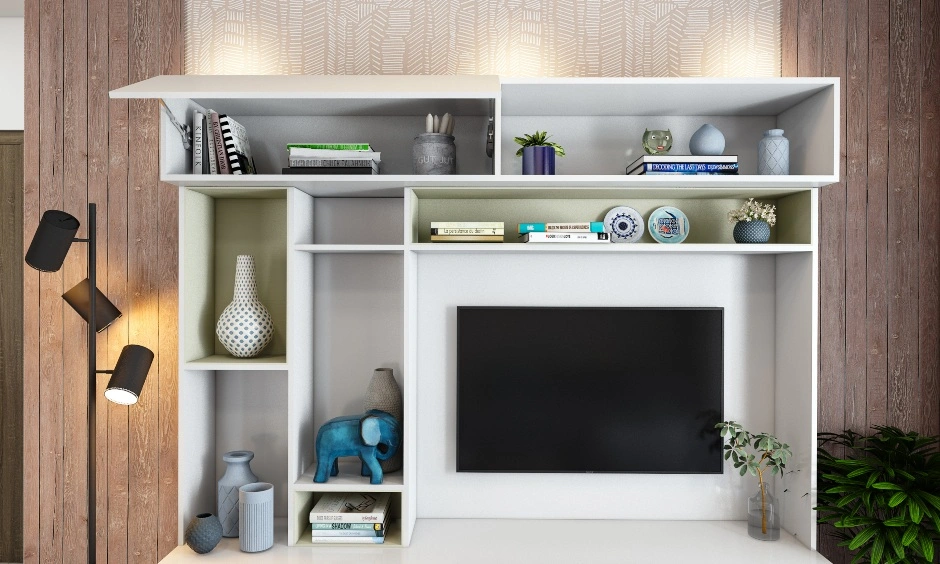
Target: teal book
576, 227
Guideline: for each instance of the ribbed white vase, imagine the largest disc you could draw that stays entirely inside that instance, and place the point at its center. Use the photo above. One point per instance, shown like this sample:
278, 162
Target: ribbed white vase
256, 517
245, 326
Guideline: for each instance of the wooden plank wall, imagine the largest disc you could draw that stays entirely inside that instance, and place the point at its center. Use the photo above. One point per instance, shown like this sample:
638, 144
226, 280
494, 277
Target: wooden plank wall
879, 272
80, 147
11, 346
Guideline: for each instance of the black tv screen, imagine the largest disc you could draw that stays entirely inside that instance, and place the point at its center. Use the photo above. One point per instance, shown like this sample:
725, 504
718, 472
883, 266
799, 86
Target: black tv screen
571, 389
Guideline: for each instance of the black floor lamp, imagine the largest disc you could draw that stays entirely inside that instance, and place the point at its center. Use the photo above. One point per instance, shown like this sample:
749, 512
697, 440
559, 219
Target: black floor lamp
54, 236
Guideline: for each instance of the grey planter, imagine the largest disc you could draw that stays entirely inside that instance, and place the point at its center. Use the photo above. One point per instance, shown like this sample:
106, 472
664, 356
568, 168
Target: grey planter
203, 533
237, 474
754, 231
256, 517
434, 153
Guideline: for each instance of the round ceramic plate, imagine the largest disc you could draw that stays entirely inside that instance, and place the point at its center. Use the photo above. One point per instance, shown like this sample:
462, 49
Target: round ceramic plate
624, 224
669, 225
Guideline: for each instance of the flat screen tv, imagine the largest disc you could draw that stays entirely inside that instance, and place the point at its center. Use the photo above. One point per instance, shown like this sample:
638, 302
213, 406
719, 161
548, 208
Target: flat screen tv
575, 389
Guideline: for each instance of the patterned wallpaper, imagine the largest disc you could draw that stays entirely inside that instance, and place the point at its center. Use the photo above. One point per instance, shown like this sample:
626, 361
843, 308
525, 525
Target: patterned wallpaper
506, 37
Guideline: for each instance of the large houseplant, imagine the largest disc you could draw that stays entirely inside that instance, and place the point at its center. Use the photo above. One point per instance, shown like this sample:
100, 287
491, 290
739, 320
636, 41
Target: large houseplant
881, 493
767, 453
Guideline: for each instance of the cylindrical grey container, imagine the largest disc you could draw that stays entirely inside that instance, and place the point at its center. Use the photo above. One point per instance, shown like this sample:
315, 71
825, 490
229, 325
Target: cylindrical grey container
435, 153
256, 517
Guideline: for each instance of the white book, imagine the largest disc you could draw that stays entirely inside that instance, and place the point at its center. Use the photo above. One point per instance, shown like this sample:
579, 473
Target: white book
467, 224
347, 540
302, 153
351, 507
198, 149
559, 237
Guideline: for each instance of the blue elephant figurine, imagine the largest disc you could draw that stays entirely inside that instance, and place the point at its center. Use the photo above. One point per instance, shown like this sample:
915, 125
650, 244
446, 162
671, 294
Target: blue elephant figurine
372, 436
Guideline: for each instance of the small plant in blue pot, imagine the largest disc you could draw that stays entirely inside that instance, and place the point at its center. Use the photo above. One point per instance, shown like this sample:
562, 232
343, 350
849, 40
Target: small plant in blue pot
752, 221
538, 153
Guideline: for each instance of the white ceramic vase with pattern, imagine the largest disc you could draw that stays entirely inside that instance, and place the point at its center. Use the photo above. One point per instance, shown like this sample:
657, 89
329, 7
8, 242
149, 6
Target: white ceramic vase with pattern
773, 153
245, 326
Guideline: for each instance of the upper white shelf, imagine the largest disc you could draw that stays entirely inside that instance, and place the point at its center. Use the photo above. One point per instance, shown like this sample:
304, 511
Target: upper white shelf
651, 96
335, 95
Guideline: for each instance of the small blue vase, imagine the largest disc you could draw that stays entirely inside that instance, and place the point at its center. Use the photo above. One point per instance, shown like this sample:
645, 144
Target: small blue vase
538, 160
707, 140
754, 231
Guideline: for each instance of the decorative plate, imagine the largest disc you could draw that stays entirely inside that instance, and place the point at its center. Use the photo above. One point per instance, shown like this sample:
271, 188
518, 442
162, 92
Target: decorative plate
624, 224
669, 225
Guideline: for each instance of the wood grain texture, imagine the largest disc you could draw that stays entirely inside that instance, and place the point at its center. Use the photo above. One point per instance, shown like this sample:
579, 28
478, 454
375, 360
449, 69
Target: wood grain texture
789, 37
75, 502
877, 246
904, 407
929, 225
31, 144
97, 57
11, 346
168, 268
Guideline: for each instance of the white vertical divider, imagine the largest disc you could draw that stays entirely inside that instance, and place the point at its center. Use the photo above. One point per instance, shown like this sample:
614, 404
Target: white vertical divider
409, 497
300, 314
497, 129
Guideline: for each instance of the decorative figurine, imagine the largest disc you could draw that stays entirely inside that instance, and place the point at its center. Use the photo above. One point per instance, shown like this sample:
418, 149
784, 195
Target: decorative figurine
372, 436
657, 141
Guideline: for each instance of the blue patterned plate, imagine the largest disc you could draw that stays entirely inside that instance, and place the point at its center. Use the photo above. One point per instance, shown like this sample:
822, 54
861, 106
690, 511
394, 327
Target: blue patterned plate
624, 224
669, 225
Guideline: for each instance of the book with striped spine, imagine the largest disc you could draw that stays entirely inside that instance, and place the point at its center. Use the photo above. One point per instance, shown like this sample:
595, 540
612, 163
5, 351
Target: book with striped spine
237, 148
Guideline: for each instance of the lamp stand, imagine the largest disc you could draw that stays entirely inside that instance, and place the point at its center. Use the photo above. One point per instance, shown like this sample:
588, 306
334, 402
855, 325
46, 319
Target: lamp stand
92, 384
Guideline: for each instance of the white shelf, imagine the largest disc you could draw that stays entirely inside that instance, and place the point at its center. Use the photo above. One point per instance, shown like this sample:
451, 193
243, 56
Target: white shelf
471, 541
491, 186
350, 249
581, 248
348, 480
225, 362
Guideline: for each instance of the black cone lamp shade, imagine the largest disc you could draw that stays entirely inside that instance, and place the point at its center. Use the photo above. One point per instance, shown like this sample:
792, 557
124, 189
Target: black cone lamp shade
129, 375
79, 298
52, 240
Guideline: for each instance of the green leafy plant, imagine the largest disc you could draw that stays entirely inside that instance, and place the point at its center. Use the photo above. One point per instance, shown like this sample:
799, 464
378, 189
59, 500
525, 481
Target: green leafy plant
882, 495
769, 454
538, 139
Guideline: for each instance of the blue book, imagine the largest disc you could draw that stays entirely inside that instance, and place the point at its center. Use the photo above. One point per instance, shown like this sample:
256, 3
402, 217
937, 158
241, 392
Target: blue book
575, 227
685, 168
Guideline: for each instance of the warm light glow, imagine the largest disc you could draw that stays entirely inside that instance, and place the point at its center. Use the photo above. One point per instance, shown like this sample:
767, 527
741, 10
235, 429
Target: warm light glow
121, 396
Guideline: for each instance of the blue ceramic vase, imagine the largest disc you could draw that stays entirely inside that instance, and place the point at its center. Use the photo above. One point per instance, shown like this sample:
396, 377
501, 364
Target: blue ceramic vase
237, 474
754, 231
538, 160
707, 140
203, 533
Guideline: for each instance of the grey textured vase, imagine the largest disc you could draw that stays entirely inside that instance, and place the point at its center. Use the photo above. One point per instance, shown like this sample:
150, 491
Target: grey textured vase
245, 326
773, 153
237, 474
256, 517
707, 140
203, 533
434, 153
754, 231
385, 395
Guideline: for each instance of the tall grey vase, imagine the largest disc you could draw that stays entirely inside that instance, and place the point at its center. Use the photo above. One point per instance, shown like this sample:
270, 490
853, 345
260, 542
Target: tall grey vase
256, 517
237, 474
245, 326
385, 395
773, 153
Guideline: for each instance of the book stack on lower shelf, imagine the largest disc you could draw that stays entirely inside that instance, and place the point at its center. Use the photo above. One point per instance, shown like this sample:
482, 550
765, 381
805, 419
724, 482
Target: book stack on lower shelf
332, 158
467, 231
350, 518
583, 232
684, 164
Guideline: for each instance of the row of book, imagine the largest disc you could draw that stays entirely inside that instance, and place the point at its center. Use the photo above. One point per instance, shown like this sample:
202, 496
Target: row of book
684, 164
332, 158
220, 145
494, 232
350, 518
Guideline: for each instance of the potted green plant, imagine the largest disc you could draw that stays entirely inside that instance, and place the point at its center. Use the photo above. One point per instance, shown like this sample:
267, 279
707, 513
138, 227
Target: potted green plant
881, 493
538, 153
768, 453
752, 221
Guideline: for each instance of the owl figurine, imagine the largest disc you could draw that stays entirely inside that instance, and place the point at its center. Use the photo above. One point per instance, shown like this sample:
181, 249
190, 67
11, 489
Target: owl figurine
657, 141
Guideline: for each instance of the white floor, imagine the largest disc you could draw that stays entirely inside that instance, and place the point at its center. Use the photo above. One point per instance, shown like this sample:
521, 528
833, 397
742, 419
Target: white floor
485, 541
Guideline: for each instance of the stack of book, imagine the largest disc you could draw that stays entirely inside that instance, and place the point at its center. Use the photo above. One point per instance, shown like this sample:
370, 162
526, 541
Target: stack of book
684, 164
466, 231
332, 158
583, 232
350, 518
220, 145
